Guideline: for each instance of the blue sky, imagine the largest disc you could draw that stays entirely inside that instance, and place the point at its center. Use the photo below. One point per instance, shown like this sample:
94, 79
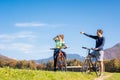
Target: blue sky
28, 26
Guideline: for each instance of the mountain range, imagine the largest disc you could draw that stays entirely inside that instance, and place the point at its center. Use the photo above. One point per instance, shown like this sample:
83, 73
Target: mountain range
110, 53
69, 57
113, 52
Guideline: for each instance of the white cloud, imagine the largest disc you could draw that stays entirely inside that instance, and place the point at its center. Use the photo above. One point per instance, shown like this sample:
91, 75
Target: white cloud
21, 47
18, 35
25, 34
31, 24
21, 42
27, 49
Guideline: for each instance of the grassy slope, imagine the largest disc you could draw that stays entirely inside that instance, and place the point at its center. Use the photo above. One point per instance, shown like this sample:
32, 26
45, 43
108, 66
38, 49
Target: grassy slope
17, 74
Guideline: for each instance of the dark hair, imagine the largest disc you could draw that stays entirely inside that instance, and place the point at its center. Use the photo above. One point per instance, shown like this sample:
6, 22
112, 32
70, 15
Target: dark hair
100, 31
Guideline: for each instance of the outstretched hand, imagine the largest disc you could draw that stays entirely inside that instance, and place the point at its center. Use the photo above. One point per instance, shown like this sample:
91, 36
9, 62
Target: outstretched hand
82, 32
65, 47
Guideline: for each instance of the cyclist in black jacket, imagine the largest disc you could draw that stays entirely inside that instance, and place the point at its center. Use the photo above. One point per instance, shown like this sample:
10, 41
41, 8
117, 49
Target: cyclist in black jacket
99, 53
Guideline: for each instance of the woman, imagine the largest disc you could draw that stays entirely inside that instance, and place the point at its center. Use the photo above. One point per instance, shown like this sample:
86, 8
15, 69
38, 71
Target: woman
59, 40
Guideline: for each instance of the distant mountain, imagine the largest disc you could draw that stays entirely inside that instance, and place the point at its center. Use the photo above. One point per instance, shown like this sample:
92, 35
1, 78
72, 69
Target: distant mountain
113, 52
69, 57
75, 56
110, 53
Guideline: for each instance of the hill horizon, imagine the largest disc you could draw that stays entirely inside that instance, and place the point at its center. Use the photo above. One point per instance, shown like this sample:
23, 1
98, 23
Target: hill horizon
110, 53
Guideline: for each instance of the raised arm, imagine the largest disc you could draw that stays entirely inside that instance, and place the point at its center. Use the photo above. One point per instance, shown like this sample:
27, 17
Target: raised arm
91, 36
55, 37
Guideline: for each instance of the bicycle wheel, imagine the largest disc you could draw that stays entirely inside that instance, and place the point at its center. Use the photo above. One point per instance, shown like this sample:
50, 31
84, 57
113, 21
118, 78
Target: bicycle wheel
64, 64
95, 65
98, 73
97, 68
61, 63
86, 66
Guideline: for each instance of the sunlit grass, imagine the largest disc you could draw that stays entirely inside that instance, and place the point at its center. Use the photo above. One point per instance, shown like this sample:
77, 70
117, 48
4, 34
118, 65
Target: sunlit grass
23, 74
114, 76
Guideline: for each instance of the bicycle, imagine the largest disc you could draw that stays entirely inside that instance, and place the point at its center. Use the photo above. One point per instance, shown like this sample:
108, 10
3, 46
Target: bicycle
90, 63
61, 61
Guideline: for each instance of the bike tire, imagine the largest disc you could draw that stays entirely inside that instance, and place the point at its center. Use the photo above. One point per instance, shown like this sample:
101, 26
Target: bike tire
98, 69
61, 64
86, 67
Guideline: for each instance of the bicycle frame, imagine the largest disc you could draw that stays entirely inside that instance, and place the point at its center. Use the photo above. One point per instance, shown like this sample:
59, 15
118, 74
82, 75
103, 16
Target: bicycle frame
61, 61
88, 65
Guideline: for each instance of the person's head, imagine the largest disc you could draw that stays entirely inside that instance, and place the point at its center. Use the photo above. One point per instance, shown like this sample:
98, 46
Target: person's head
99, 32
62, 36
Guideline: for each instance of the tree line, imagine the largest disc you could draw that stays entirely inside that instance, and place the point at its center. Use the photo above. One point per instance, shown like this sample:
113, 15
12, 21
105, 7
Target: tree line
110, 65
24, 64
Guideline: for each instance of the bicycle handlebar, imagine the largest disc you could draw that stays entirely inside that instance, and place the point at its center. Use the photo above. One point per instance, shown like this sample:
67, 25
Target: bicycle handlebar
52, 48
87, 48
59, 48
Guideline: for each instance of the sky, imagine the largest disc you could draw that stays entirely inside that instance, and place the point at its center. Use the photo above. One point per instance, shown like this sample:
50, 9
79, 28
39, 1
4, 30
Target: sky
27, 27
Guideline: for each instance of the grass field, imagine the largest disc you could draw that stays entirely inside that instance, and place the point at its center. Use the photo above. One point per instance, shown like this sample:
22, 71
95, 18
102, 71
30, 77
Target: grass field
114, 76
23, 74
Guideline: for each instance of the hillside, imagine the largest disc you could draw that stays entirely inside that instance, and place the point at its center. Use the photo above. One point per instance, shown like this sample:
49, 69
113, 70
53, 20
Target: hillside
4, 58
113, 52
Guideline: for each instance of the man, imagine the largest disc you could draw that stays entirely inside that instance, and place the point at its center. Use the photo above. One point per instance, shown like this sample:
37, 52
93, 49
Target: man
100, 41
